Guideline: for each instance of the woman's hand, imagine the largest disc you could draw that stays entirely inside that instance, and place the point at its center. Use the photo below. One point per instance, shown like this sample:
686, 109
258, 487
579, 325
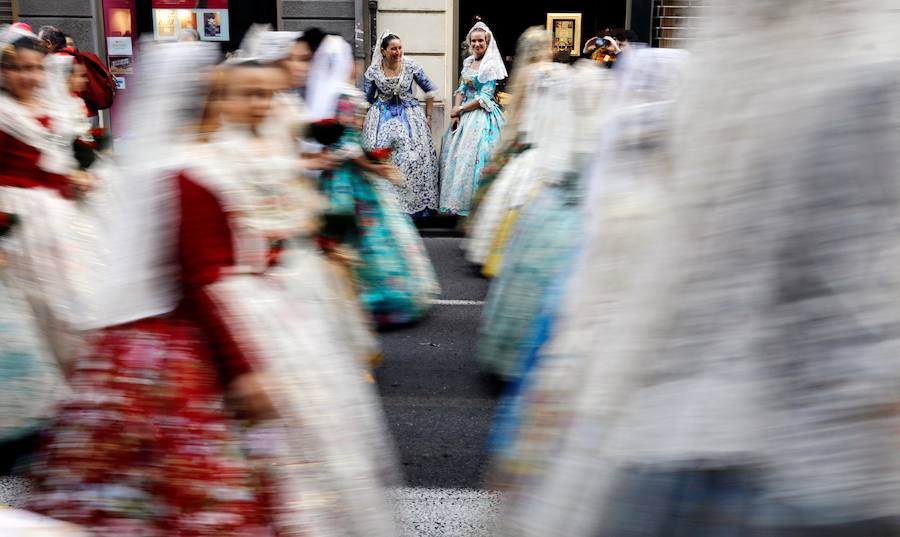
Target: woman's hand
82, 182
456, 112
250, 396
391, 173
321, 161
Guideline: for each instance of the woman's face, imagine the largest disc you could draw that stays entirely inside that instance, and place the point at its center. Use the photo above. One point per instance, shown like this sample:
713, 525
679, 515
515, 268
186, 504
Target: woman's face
297, 64
78, 80
23, 73
478, 43
394, 51
248, 95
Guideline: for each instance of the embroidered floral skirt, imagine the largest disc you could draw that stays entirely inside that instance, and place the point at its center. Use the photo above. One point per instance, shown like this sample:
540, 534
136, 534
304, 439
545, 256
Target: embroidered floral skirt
464, 154
145, 446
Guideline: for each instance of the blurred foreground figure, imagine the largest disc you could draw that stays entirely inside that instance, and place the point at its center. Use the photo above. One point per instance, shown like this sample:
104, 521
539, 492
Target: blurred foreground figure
745, 381
510, 176
394, 273
624, 185
46, 238
545, 219
223, 295
146, 443
284, 56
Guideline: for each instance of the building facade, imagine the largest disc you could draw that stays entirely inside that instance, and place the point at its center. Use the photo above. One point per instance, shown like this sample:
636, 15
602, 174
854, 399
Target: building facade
432, 30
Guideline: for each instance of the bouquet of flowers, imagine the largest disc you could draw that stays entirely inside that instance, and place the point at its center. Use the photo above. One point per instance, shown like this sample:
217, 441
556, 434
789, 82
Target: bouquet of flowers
382, 155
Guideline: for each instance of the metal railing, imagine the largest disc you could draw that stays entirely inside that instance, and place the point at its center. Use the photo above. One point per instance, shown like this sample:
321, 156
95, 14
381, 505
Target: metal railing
7, 11
674, 20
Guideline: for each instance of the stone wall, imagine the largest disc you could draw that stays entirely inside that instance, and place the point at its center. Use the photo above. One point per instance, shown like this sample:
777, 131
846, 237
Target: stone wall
342, 17
6, 11
78, 18
427, 30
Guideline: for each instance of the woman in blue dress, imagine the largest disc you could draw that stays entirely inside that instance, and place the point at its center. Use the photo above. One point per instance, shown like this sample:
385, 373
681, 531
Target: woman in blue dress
397, 120
476, 122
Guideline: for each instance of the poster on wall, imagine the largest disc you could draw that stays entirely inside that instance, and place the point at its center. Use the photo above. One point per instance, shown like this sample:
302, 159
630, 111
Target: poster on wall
565, 29
190, 4
213, 24
121, 65
209, 18
119, 46
164, 24
168, 23
121, 51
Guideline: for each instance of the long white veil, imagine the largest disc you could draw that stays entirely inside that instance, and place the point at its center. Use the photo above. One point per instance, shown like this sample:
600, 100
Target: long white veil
332, 66
377, 56
140, 280
492, 66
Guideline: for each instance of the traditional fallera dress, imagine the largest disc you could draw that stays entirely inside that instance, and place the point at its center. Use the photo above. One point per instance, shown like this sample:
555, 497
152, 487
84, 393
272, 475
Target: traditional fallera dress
468, 149
546, 233
227, 280
257, 297
146, 442
48, 261
624, 198
397, 121
289, 317
515, 182
745, 380
395, 274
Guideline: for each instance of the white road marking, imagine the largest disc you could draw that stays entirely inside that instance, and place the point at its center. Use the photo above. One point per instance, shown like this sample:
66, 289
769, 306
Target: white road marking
14, 491
458, 302
424, 512
420, 512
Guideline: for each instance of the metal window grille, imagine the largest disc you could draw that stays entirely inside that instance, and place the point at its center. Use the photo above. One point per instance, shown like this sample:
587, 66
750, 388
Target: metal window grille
6, 11
674, 20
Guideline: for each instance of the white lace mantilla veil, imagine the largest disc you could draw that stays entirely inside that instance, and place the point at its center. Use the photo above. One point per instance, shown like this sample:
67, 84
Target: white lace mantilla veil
492, 67
377, 56
331, 67
763, 332
57, 71
265, 45
138, 220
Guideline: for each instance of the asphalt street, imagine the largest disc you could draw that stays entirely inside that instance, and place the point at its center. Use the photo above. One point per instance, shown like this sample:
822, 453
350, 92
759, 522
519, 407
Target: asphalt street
438, 405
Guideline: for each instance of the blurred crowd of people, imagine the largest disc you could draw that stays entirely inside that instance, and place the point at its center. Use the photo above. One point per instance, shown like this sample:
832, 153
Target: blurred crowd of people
694, 294
189, 320
692, 258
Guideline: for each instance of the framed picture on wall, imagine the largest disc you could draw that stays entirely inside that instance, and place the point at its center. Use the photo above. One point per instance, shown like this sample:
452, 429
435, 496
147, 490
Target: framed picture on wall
565, 29
213, 24
165, 24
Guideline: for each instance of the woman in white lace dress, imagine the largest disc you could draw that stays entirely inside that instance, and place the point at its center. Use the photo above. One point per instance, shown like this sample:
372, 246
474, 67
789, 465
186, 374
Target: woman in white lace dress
398, 121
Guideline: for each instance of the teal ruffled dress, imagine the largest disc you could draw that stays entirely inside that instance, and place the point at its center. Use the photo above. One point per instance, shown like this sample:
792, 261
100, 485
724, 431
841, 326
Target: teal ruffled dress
395, 275
468, 149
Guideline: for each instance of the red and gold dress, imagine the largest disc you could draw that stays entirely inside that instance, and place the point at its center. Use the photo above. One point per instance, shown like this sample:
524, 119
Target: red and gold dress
146, 444
43, 276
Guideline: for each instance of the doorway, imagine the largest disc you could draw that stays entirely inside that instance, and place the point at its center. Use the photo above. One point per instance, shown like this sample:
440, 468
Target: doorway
508, 21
